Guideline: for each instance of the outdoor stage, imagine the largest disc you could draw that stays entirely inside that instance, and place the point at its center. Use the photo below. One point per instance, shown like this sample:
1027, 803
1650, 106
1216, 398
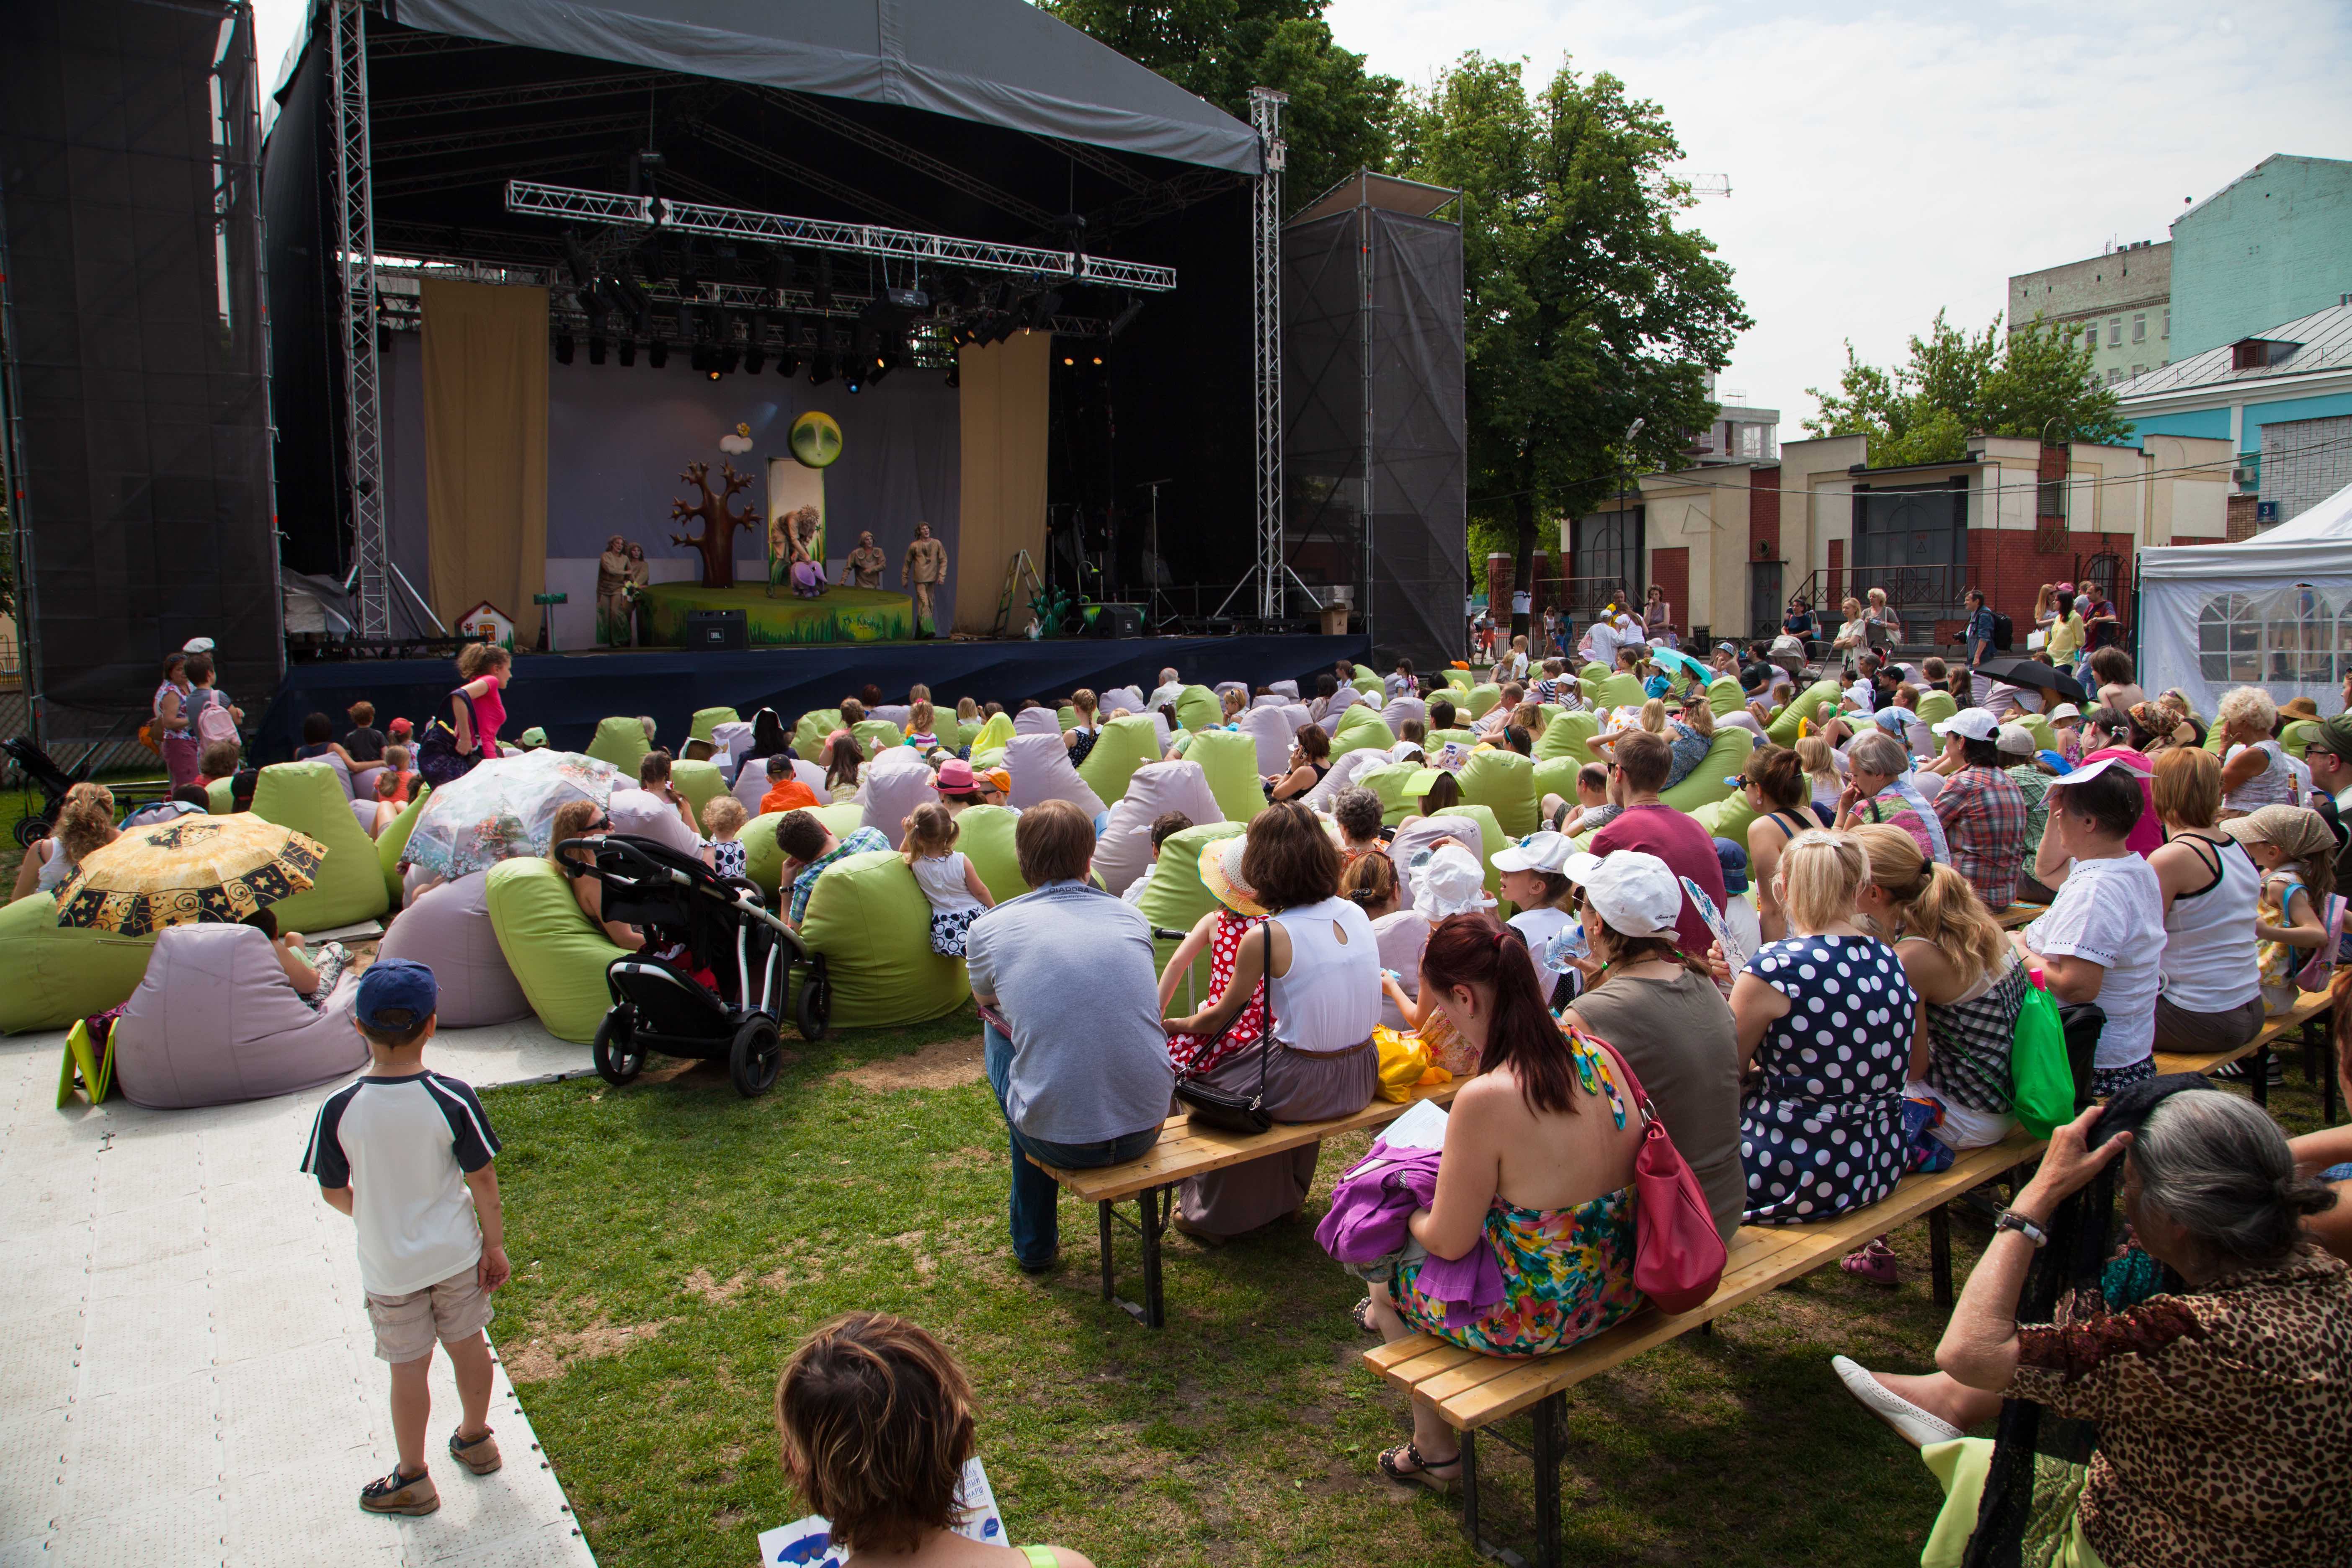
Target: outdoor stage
777, 618
567, 693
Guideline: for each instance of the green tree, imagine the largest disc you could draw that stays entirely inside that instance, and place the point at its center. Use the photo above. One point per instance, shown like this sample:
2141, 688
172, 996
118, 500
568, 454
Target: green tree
2035, 385
1587, 307
1339, 117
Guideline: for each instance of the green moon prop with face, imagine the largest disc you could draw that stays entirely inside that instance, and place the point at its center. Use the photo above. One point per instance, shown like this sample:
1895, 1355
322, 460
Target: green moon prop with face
815, 440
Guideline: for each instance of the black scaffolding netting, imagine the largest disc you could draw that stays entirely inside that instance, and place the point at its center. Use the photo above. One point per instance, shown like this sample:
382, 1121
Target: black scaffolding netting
128, 143
1373, 367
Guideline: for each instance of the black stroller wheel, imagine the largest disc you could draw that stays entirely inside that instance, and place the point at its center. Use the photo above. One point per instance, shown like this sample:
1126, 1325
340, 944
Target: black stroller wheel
757, 1058
30, 830
812, 1008
615, 1052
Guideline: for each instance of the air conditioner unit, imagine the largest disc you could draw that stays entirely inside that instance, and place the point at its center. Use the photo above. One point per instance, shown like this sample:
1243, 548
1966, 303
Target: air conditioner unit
2248, 481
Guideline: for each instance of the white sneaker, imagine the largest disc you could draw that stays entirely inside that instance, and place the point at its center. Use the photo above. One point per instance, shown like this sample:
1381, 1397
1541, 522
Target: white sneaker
1913, 1425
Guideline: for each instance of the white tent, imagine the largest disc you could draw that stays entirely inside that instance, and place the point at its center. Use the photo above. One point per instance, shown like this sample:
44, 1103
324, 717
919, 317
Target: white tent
2274, 611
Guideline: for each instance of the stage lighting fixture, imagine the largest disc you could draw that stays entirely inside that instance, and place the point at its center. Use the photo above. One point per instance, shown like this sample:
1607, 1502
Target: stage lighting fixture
575, 258
821, 368
955, 375
714, 375
755, 357
1098, 359
963, 291
563, 348
1042, 308
1121, 323
1067, 360
628, 353
596, 350
853, 380
657, 354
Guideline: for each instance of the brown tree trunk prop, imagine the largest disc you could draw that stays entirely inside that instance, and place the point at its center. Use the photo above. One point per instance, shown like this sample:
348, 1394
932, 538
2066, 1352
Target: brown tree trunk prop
720, 522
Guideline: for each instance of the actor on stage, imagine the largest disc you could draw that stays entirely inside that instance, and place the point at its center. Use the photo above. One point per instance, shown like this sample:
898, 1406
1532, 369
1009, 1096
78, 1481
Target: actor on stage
808, 569
613, 594
866, 563
641, 577
926, 567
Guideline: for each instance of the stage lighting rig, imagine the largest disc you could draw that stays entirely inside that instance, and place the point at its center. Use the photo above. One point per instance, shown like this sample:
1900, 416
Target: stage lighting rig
575, 259
563, 348
1126, 317
658, 353
755, 346
821, 367
824, 289
628, 353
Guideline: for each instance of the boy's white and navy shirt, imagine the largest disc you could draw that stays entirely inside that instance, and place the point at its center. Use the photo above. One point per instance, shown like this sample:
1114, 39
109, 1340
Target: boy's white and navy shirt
406, 1146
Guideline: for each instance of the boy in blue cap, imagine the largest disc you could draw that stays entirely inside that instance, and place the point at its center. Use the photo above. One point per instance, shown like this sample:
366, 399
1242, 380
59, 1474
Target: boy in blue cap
407, 1153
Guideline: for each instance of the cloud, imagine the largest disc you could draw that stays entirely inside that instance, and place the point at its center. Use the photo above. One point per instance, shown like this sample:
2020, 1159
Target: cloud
1886, 163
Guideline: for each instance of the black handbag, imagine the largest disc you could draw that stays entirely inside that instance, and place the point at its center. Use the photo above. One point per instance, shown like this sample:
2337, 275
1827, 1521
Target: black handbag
1221, 1108
437, 757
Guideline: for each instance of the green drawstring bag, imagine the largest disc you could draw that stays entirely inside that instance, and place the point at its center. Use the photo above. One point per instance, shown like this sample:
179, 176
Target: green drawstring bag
2040, 1081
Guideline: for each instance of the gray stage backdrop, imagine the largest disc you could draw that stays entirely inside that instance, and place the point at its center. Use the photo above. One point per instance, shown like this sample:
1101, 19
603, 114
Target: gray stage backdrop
617, 439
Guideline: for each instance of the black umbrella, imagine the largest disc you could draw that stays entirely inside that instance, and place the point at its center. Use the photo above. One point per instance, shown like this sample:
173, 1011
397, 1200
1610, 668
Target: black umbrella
2033, 672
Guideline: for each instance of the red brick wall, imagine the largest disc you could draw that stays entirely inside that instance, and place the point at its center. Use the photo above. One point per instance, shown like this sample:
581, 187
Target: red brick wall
1670, 569
2011, 567
1499, 587
2240, 518
1764, 514
1836, 594
2191, 539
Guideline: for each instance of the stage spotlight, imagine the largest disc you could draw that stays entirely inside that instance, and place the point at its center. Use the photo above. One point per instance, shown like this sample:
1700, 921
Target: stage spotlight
1121, 323
788, 358
955, 374
628, 352
755, 357
714, 375
821, 368
1098, 359
563, 348
1067, 360
595, 351
658, 353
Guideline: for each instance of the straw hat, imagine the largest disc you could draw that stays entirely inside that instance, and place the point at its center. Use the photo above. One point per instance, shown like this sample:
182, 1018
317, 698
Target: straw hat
2299, 708
1221, 873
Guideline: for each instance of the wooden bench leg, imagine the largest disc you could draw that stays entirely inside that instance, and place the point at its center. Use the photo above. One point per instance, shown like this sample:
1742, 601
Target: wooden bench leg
1102, 1222
1939, 1252
1153, 1206
2258, 1072
1550, 1419
1470, 1490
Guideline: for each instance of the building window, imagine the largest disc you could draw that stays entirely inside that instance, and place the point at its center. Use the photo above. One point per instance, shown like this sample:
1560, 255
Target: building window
2168, 326
2091, 339
2115, 375
2140, 370
2295, 636
2114, 331
2139, 329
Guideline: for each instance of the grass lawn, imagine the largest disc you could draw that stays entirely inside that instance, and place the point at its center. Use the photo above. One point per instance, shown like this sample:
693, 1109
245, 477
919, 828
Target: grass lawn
672, 1242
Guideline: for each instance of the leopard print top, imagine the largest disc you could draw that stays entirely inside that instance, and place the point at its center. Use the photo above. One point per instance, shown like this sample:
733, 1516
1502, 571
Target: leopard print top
2224, 1415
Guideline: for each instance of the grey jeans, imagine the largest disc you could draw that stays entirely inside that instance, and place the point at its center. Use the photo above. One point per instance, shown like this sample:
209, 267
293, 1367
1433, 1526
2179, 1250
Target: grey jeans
1300, 1085
2202, 1034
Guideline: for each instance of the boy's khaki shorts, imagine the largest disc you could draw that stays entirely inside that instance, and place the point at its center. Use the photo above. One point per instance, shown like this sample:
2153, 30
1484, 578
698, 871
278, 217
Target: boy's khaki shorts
405, 1326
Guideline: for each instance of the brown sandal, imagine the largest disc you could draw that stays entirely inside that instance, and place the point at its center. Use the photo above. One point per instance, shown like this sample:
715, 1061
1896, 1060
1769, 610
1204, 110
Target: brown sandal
1423, 1471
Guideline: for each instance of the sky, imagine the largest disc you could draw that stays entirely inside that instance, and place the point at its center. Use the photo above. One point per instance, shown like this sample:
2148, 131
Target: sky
1886, 163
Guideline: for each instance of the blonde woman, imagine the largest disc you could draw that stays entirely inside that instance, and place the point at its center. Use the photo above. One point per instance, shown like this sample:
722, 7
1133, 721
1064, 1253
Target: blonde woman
1882, 614
85, 822
1080, 737
1832, 1027
1854, 636
1821, 776
1691, 732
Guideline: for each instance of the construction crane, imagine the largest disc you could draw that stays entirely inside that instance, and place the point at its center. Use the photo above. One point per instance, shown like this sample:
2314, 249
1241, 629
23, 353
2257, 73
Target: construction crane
1709, 184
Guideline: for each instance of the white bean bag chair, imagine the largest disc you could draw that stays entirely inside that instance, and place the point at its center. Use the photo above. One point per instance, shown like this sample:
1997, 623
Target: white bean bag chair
1343, 774
1402, 937
1162, 729
364, 783
1123, 850
215, 1021
897, 782
1283, 687
1416, 837
1270, 700
640, 814
1346, 696
729, 744
448, 930
1400, 709
895, 712
343, 774
1037, 721
1124, 700
1042, 771
1272, 731
751, 783
363, 812
1298, 717
1225, 686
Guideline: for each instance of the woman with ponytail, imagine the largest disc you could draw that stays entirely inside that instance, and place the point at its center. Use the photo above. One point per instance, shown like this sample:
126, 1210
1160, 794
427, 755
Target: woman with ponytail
1538, 1164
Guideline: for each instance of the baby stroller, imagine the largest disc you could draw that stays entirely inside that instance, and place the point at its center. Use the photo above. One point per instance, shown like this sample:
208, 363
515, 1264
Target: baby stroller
713, 978
42, 772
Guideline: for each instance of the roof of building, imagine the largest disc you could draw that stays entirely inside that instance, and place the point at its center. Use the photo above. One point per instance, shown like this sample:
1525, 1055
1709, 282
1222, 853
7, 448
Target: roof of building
2234, 184
2326, 344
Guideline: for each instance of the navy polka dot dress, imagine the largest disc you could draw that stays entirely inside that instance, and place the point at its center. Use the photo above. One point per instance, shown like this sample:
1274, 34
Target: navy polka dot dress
1822, 1132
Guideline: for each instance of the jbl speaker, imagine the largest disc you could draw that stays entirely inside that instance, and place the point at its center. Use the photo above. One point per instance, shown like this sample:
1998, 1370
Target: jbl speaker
716, 630
1116, 621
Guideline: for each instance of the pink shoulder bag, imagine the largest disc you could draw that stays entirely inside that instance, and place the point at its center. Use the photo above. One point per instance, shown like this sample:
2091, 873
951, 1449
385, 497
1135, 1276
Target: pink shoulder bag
1678, 1258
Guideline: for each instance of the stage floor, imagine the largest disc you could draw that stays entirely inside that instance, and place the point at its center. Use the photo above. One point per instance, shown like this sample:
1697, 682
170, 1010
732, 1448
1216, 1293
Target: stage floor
567, 693
779, 618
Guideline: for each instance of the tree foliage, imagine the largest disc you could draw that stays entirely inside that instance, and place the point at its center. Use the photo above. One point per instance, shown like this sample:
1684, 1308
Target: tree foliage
1340, 119
2034, 386
1587, 306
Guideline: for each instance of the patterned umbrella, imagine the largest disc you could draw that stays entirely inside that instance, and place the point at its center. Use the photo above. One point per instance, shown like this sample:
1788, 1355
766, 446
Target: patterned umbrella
502, 809
189, 869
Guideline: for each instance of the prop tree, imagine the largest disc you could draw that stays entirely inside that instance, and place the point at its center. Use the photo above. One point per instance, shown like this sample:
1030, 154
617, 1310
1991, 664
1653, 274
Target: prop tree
720, 522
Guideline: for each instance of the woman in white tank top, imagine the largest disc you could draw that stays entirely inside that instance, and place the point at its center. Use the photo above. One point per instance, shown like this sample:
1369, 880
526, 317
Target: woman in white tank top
2211, 994
2256, 773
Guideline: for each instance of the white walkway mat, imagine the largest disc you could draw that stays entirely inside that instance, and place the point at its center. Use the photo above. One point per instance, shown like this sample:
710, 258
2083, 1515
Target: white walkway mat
189, 1375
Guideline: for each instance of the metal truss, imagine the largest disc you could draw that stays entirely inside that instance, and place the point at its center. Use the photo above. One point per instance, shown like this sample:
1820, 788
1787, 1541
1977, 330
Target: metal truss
1108, 166
1265, 316
914, 158
853, 238
518, 95
356, 311
405, 42
1159, 200
775, 163
535, 132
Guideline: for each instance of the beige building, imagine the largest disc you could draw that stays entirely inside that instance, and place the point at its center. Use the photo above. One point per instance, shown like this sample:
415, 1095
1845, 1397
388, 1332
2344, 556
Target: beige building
2119, 305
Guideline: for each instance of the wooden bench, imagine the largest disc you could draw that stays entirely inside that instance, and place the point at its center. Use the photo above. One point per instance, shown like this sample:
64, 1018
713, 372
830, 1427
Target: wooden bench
1186, 1149
1473, 1391
2309, 1018
2015, 915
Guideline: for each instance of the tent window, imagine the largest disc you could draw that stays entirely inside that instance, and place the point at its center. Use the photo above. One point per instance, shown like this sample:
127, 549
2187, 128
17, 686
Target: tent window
2230, 640
2293, 638
2300, 627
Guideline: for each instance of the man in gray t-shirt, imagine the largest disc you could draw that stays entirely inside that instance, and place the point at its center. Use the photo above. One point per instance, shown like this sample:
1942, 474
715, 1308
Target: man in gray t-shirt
1076, 1052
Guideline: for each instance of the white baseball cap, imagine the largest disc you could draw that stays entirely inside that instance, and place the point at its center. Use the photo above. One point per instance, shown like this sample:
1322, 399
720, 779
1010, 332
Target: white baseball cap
197, 645
1636, 893
1542, 851
2016, 738
2063, 710
1976, 723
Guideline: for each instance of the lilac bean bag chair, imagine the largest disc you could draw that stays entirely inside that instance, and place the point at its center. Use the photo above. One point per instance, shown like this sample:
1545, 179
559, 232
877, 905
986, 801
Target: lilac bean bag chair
1284, 688
215, 1021
1120, 700
364, 783
1042, 771
641, 814
1037, 721
1400, 709
751, 785
1296, 716
1272, 731
1343, 774
448, 930
1426, 834
363, 812
1123, 850
897, 782
893, 712
1346, 696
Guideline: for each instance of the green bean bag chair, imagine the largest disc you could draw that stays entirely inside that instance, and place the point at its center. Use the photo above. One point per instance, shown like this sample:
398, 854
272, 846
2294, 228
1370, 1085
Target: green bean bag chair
1504, 783
2295, 738
2045, 738
620, 742
1620, 690
1360, 727
1782, 732
874, 734
393, 840
1934, 707
1729, 818
56, 973
810, 729
1175, 898
1724, 696
707, 719
1066, 718
1483, 697
984, 833
874, 927
1490, 833
1366, 683
1545, 713
558, 956
1197, 709
699, 781
764, 863
1229, 758
1594, 672
966, 731
221, 795
1725, 755
1438, 738
991, 735
309, 798
1127, 742
1388, 783
1569, 738
1459, 679
1556, 776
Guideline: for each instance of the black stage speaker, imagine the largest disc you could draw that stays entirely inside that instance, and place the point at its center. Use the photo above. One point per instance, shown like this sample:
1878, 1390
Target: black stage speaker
712, 630
1116, 621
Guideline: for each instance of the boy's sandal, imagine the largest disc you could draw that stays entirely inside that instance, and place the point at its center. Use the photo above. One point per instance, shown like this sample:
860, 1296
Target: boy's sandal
412, 1496
480, 1455
1423, 1471
1875, 1263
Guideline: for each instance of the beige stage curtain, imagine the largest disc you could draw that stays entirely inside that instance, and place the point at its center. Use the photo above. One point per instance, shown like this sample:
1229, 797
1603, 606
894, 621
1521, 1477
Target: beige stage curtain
1003, 407
486, 448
